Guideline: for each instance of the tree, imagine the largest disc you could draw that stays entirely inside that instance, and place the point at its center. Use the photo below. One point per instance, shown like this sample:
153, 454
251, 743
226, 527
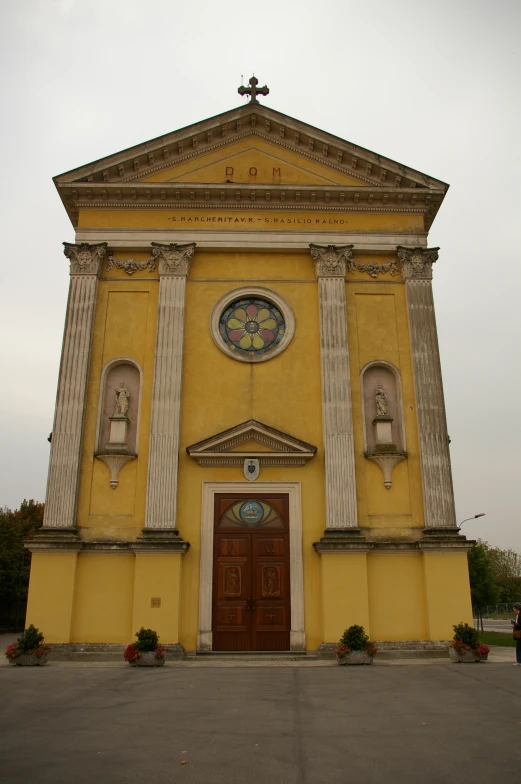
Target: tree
483, 585
15, 561
506, 565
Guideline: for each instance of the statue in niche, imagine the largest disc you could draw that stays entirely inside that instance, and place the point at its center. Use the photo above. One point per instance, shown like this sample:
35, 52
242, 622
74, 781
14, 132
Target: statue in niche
382, 405
122, 401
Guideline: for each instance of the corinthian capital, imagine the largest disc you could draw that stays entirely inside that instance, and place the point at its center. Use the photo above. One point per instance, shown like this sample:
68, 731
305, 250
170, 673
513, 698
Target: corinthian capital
331, 260
417, 262
173, 259
85, 259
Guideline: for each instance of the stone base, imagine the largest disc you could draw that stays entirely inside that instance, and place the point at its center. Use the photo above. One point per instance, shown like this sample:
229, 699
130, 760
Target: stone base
337, 539
155, 540
407, 649
149, 659
85, 652
465, 656
355, 657
29, 660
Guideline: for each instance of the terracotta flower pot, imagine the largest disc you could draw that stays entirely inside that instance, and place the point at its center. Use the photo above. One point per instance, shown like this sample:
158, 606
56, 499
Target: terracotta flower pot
355, 657
149, 659
29, 660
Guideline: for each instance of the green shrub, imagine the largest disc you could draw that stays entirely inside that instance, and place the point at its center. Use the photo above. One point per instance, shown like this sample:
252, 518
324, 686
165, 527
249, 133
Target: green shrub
467, 635
355, 638
30, 640
147, 640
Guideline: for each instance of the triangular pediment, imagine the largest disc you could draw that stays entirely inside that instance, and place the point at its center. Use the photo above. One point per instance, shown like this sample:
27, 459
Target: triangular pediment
250, 147
251, 439
256, 162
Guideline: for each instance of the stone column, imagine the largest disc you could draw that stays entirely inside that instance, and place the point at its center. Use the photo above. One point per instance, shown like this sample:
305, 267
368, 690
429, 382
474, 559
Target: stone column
64, 465
174, 266
438, 494
330, 269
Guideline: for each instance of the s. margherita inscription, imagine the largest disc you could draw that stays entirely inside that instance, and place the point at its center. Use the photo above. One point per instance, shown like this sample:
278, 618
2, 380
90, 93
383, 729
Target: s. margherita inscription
257, 221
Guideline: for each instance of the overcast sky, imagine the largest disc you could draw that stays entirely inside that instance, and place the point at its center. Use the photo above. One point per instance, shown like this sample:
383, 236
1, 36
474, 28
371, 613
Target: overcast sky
433, 85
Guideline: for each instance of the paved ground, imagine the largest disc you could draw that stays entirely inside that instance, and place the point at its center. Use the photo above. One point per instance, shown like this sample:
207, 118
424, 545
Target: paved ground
409, 724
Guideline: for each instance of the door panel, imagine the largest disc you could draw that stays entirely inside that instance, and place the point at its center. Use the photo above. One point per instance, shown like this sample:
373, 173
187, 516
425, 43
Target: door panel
251, 596
231, 591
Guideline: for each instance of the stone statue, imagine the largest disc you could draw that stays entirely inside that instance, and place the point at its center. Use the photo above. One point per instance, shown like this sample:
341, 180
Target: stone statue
122, 400
382, 406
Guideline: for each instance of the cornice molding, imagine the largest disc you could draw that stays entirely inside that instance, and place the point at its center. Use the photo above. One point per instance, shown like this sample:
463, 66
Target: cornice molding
216, 197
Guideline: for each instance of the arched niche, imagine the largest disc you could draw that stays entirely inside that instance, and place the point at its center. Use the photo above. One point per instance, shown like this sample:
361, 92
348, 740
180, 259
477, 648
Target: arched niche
384, 432
384, 375
117, 430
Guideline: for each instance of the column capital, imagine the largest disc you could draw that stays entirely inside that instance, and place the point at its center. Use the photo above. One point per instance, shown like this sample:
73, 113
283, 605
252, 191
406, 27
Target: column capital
417, 262
173, 259
331, 260
85, 259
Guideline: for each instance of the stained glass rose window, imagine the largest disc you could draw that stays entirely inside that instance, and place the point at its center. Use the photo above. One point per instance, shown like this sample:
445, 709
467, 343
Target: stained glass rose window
252, 325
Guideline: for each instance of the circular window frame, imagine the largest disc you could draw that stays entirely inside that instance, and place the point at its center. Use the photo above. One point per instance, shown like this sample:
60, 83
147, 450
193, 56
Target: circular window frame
256, 292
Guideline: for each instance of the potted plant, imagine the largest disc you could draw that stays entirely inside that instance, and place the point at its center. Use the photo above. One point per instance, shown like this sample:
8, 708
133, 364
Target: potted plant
146, 652
29, 650
465, 646
355, 647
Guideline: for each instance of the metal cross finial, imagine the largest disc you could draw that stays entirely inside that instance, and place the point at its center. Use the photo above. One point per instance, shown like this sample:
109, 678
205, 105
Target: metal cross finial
253, 91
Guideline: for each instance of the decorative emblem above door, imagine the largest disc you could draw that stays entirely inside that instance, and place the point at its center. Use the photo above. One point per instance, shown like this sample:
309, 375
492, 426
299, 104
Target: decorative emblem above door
251, 469
251, 445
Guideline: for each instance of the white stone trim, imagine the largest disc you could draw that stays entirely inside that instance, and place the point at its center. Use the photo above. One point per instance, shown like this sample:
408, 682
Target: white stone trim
163, 456
106, 370
438, 493
266, 241
262, 293
293, 489
67, 435
337, 415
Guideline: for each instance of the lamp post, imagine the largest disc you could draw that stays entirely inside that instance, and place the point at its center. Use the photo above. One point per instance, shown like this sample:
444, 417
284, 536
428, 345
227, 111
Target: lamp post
481, 514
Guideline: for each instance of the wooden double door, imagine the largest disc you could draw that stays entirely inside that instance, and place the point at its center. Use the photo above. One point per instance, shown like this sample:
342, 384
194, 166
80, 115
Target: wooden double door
251, 580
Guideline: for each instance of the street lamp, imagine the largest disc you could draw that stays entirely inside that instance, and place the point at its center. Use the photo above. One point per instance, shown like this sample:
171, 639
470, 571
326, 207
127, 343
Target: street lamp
481, 514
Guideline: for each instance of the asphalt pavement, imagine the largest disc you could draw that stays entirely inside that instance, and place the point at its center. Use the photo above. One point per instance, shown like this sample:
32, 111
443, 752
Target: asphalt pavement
411, 724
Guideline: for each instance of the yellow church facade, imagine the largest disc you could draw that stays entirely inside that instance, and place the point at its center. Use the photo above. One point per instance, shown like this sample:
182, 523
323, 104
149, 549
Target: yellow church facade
250, 448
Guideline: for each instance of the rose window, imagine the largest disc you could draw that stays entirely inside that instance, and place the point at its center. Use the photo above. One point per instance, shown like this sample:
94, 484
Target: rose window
252, 326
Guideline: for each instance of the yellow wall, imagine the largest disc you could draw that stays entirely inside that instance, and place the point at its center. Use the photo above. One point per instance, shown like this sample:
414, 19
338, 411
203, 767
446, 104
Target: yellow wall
447, 593
253, 161
158, 576
397, 597
51, 594
103, 598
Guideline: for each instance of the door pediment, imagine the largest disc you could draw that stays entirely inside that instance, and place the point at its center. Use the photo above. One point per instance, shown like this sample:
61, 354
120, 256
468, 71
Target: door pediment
251, 439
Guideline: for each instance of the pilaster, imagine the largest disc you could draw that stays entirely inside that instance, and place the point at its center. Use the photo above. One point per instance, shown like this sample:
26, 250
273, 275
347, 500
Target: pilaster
64, 463
438, 494
330, 269
174, 266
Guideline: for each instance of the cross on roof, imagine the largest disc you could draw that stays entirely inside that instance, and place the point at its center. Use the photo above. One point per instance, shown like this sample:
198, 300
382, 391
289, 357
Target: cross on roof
252, 91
